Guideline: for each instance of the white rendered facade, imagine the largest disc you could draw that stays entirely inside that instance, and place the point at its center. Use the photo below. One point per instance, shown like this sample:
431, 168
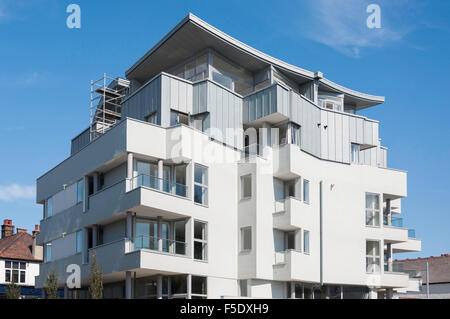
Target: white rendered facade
230, 174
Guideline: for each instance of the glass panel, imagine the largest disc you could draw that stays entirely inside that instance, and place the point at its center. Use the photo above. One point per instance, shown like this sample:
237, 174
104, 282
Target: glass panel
199, 285
15, 276
79, 241
7, 264
8, 275
49, 207
246, 237
243, 287
200, 230
223, 80
22, 277
372, 201
306, 241
200, 250
246, 186
15, 265
290, 240
189, 70
306, 191
202, 64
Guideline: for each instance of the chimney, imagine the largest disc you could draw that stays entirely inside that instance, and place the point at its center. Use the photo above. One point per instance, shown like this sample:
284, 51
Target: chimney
7, 228
36, 251
36, 230
21, 230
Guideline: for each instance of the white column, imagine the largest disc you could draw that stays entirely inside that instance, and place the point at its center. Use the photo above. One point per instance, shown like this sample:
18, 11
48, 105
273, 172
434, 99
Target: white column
128, 286
292, 290
130, 168
169, 287
389, 257
189, 286
373, 294
159, 283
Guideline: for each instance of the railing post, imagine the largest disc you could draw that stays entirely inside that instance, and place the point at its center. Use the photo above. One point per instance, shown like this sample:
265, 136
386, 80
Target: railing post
159, 237
160, 174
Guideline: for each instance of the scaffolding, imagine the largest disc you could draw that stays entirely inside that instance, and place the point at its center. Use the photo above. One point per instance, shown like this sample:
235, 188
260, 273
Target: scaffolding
106, 98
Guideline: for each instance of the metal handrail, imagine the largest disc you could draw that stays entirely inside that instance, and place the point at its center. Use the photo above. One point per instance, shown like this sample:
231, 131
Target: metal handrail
159, 184
153, 243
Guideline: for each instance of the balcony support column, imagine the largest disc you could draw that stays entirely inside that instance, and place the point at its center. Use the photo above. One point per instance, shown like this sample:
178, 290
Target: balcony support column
159, 283
292, 290
389, 293
189, 286
389, 257
130, 169
128, 286
373, 294
169, 288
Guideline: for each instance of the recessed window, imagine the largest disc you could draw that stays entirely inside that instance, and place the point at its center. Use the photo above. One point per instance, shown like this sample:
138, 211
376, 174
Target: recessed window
295, 134
80, 190
372, 210
79, 243
306, 191
243, 288
152, 118
355, 153
201, 184
48, 252
48, 207
177, 118
306, 241
372, 256
289, 239
246, 239
200, 241
246, 186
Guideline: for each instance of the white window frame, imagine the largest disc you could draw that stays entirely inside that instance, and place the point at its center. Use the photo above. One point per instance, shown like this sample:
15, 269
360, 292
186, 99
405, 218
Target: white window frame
243, 197
47, 247
374, 212
306, 191
204, 187
306, 243
19, 270
243, 230
204, 242
373, 257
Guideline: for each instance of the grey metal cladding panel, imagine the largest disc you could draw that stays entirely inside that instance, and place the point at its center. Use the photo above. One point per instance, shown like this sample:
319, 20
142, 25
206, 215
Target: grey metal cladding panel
346, 139
144, 102
331, 136
324, 135
245, 111
352, 129
200, 95
338, 136
368, 133
80, 141
360, 131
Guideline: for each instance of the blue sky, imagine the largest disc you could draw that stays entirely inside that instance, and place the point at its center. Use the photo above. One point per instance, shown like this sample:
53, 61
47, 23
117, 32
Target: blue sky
46, 68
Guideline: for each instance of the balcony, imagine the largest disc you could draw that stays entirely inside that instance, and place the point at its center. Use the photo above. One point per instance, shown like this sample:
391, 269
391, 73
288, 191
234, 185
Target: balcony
294, 265
162, 245
159, 184
291, 214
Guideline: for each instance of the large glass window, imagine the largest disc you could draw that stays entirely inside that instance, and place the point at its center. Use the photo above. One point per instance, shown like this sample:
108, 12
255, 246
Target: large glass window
79, 243
200, 241
201, 184
355, 153
372, 256
246, 239
80, 190
246, 186
231, 76
152, 118
372, 210
177, 118
194, 70
306, 191
15, 271
306, 241
289, 240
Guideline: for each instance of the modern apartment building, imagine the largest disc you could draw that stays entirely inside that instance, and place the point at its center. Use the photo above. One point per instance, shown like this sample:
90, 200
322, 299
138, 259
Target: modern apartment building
215, 170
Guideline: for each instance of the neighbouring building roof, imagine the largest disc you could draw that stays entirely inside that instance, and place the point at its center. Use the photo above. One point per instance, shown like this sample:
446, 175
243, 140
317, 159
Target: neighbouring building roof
17, 246
439, 268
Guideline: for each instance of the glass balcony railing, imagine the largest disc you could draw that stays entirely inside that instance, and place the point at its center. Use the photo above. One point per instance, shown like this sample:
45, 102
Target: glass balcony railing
153, 243
411, 233
394, 222
159, 184
250, 151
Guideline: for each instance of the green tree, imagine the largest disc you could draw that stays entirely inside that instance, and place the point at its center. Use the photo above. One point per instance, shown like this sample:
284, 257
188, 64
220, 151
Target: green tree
13, 291
51, 288
96, 279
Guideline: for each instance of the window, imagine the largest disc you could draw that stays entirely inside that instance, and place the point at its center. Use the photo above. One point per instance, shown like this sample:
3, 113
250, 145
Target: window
246, 186
372, 256
295, 134
79, 241
306, 191
231, 76
49, 207
200, 241
355, 153
80, 190
15, 271
372, 210
199, 287
243, 288
201, 184
152, 118
48, 253
177, 118
198, 122
246, 239
306, 241
289, 240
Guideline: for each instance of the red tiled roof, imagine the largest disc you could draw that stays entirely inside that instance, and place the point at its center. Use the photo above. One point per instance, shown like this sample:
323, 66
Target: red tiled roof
439, 267
17, 246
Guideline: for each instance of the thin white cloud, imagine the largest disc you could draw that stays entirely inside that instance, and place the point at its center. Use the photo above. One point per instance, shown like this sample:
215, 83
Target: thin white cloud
342, 25
16, 192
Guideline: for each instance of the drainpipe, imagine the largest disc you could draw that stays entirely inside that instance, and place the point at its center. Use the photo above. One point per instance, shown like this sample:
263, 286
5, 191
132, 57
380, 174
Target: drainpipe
428, 281
321, 233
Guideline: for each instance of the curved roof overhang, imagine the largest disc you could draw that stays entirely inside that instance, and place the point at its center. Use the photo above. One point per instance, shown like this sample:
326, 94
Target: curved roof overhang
193, 35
